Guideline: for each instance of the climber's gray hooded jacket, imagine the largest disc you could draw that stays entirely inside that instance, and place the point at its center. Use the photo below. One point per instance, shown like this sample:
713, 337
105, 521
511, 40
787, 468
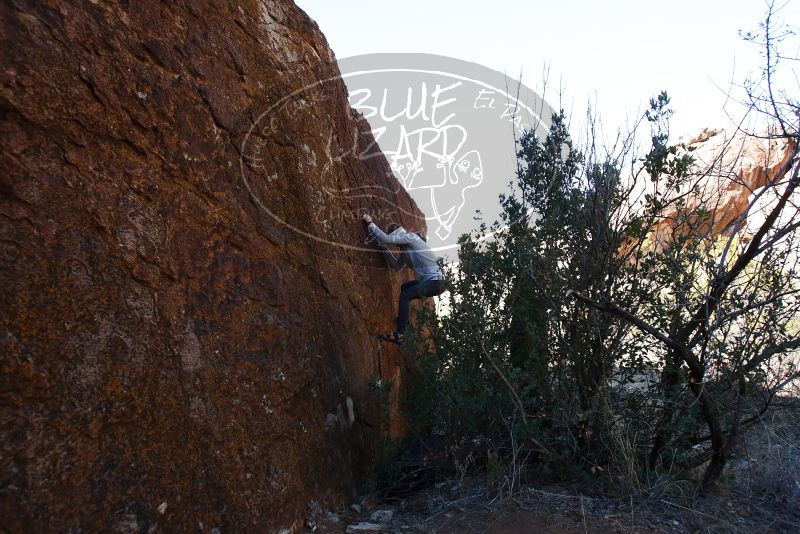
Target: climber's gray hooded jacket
419, 255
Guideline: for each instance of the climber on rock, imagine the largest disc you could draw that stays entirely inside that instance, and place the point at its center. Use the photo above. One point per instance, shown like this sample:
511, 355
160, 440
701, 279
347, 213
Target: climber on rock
415, 253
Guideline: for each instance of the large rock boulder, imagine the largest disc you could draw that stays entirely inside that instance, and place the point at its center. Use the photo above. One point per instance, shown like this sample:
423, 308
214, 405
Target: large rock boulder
186, 320
729, 170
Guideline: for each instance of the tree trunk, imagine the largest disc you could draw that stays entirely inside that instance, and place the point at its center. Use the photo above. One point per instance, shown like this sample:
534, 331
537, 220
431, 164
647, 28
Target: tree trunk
670, 378
719, 444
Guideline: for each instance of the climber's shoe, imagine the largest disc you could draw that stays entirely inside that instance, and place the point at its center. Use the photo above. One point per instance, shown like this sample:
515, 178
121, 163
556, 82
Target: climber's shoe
394, 337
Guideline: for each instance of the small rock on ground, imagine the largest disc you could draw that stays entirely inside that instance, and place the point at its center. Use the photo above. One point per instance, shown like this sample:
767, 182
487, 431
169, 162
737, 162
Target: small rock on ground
382, 516
359, 528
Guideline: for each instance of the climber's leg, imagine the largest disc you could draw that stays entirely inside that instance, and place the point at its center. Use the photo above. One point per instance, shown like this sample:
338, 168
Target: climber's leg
433, 288
408, 291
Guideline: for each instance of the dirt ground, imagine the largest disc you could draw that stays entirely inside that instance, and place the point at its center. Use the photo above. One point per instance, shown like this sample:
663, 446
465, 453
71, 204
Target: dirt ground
760, 493
525, 522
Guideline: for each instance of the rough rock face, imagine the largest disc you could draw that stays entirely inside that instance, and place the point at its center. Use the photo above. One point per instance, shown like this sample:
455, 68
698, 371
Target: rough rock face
185, 342
730, 168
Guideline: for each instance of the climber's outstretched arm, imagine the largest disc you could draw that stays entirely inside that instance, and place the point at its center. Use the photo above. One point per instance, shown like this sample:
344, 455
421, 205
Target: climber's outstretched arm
396, 238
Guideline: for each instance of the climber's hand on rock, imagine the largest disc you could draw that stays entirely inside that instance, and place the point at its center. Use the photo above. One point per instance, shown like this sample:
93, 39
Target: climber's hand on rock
367, 218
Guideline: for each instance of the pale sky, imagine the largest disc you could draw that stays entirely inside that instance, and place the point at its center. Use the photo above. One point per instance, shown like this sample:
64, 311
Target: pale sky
618, 53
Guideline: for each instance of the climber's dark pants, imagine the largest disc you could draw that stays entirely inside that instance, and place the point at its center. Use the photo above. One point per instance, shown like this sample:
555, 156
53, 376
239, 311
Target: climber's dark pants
415, 290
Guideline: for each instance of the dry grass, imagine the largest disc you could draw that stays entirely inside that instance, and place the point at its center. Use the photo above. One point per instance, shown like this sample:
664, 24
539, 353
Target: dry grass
760, 493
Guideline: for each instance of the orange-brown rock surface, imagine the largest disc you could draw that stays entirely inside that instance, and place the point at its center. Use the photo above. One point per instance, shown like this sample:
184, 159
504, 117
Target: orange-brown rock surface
185, 343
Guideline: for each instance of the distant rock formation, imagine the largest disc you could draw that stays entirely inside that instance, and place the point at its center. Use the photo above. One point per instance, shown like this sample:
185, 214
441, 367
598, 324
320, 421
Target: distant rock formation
729, 169
186, 322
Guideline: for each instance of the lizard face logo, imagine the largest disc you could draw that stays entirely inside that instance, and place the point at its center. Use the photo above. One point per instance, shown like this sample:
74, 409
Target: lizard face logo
457, 176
